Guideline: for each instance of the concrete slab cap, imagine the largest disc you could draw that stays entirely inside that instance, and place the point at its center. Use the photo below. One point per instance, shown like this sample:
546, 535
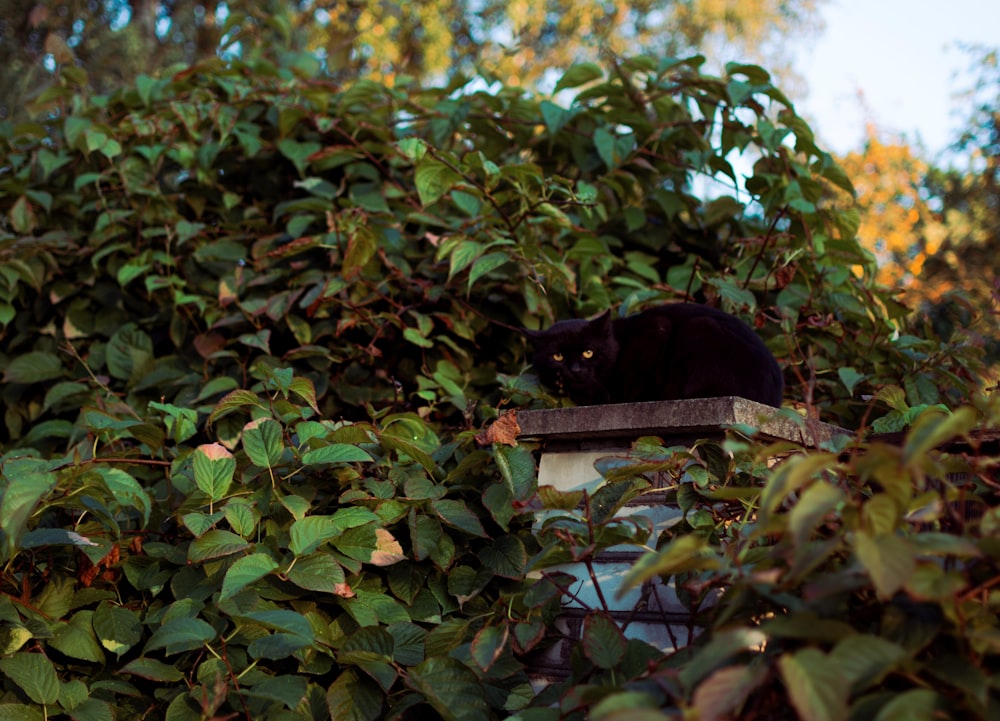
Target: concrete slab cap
696, 417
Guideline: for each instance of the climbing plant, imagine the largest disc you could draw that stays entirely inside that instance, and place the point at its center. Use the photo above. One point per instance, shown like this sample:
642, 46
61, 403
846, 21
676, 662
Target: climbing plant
256, 331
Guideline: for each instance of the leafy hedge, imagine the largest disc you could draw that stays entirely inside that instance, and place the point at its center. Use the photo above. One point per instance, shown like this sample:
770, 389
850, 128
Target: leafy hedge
252, 324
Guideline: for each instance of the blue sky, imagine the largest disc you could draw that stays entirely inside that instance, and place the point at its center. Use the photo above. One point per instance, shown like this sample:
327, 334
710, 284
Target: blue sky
904, 57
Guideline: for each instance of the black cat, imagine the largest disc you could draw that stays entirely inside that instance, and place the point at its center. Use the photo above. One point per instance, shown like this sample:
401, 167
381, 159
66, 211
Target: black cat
680, 350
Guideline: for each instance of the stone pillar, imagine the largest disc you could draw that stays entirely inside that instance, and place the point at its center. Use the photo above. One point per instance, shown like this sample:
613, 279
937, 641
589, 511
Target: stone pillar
573, 439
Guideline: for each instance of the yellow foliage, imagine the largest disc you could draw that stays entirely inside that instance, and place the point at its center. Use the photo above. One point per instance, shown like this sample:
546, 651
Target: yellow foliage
520, 39
896, 223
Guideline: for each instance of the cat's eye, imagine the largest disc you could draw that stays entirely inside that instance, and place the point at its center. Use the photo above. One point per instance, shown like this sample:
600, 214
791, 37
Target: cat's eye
557, 357
588, 353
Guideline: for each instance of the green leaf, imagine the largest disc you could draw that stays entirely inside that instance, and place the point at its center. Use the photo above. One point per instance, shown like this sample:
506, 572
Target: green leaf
462, 255
215, 544
298, 153
361, 247
579, 74
214, 467
287, 690
7, 314
126, 491
33, 367
358, 543
13, 636
150, 668
215, 387
683, 553
307, 534
51, 162
451, 688
245, 571
72, 693
433, 179
458, 514
933, 428
304, 389
241, 516
486, 264
355, 698
816, 687
22, 216
262, 442
34, 674
129, 353
92, 709
260, 340
200, 523
850, 378
318, 572
413, 335
370, 608
754, 73
881, 514
20, 498
555, 117
413, 148
41, 537
284, 621
506, 556
134, 268
118, 629
180, 634
467, 202
488, 644
888, 559
612, 149
235, 400
77, 639
408, 643
865, 660
56, 597
791, 475
603, 642
724, 692
814, 503
517, 467
181, 423
500, 503
335, 453
20, 712
915, 704
146, 86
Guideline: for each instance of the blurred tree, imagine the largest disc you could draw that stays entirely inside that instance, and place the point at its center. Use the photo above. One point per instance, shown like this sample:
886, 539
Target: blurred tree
512, 40
104, 43
970, 200
936, 231
971, 196
897, 223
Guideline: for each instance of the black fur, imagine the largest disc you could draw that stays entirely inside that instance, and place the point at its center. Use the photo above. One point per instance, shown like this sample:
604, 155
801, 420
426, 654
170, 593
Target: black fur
680, 350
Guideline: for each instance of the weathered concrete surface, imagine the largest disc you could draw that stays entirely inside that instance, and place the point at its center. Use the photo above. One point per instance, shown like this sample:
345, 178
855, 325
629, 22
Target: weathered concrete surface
671, 420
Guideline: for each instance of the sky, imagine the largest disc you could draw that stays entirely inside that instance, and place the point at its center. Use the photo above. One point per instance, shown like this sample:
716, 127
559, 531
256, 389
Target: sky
903, 57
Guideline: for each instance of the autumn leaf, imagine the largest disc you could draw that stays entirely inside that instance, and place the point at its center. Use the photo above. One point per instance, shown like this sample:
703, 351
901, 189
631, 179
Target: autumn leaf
387, 549
504, 430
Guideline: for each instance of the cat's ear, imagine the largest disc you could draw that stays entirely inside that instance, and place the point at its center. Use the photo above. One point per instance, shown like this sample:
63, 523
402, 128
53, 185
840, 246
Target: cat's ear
532, 335
602, 323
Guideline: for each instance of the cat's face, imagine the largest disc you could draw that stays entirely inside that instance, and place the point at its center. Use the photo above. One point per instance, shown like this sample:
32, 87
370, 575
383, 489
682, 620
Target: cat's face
575, 357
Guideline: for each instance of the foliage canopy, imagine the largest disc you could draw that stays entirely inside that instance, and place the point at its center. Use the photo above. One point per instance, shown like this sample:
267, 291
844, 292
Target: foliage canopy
518, 42
252, 322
